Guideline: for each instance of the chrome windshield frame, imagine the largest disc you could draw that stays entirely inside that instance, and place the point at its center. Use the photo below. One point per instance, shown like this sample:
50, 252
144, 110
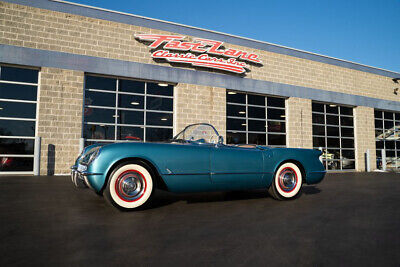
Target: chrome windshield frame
219, 137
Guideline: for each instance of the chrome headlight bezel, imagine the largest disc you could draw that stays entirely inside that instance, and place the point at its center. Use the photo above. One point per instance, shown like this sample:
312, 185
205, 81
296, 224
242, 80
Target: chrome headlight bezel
88, 157
80, 155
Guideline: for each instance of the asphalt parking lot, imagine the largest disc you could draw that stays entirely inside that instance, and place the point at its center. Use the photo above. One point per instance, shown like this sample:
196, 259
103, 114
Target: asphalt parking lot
348, 219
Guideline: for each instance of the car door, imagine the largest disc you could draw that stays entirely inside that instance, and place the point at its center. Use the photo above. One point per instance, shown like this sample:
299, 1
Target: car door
188, 167
236, 167
188, 159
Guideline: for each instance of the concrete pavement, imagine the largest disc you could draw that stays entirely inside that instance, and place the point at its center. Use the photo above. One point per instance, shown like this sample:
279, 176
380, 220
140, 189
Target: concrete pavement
348, 219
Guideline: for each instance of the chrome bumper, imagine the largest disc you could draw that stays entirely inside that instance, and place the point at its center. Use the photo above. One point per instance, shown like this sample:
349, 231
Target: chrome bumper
78, 179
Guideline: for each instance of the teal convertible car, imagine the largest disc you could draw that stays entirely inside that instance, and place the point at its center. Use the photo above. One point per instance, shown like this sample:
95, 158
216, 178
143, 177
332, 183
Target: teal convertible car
195, 160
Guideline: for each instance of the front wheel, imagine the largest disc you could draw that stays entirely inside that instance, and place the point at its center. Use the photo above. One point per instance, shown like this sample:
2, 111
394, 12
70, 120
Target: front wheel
287, 182
129, 186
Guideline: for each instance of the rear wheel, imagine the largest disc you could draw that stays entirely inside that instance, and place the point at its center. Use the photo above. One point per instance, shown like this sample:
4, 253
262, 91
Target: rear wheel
287, 182
130, 186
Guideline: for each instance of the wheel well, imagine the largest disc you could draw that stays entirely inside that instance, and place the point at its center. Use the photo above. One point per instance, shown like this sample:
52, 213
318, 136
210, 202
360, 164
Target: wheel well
159, 182
303, 171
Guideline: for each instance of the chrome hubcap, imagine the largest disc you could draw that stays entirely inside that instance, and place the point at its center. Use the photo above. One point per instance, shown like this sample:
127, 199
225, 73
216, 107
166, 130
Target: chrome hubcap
130, 185
287, 179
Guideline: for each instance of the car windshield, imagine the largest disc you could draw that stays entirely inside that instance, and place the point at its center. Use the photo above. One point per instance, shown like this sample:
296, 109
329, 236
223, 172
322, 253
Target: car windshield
199, 133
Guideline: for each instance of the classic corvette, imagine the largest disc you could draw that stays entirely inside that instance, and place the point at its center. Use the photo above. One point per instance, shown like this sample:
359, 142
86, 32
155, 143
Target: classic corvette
195, 160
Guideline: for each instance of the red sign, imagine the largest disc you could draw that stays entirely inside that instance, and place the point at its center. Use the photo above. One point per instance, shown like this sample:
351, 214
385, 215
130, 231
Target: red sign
204, 52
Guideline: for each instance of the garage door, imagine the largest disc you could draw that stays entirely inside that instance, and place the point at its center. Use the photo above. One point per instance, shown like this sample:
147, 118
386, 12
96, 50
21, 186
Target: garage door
18, 99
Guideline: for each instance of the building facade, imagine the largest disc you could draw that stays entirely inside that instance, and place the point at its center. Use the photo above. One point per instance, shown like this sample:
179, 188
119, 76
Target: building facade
70, 72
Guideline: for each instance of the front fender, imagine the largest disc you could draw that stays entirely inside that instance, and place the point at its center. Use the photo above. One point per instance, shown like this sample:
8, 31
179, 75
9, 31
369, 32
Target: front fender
111, 155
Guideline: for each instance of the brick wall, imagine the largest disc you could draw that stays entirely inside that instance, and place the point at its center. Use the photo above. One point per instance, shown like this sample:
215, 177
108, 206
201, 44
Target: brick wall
60, 118
196, 103
299, 122
364, 133
56, 31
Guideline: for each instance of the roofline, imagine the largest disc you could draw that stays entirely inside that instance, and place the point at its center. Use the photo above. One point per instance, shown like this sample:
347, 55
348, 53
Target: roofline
256, 43
217, 32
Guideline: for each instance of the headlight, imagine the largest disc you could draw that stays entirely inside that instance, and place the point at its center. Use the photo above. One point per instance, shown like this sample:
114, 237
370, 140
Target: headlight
90, 155
80, 155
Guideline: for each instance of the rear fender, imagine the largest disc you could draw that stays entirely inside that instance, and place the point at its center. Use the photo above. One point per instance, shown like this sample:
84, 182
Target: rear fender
307, 160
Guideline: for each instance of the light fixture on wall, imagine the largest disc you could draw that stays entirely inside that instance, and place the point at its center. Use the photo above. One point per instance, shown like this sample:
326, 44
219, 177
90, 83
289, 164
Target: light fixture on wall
231, 93
163, 84
134, 103
395, 90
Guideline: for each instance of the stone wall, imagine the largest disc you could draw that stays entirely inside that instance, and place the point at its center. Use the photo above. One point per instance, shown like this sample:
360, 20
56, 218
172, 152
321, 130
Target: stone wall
196, 103
298, 123
60, 118
364, 133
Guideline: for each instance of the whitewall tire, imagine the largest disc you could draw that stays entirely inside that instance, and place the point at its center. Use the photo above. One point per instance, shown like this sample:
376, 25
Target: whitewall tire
130, 186
287, 182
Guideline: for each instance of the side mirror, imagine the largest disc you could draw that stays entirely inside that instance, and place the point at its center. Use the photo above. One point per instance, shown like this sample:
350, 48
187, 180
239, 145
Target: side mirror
220, 140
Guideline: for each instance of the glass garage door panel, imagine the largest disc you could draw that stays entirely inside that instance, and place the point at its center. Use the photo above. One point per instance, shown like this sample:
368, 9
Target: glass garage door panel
17, 110
17, 146
236, 138
18, 91
100, 83
10, 127
18, 100
16, 164
131, 101
257, 138
96, 98
101, 132
130, 133
333, 133
13, 74
255, 119
123, 109
387, 139
158, 134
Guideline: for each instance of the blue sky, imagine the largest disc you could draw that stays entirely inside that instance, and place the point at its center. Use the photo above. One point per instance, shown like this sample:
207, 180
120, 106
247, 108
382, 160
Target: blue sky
363, 31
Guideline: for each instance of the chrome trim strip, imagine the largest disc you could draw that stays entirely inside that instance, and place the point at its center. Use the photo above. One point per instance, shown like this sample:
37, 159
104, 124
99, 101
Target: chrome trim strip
213, 173
90, 173
84, 173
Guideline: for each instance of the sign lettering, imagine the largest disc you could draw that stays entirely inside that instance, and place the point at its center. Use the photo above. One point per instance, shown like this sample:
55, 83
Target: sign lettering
200, 52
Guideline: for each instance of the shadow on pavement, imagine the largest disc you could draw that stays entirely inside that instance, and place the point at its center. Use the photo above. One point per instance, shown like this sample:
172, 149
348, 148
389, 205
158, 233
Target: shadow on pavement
311, 190
164, 198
